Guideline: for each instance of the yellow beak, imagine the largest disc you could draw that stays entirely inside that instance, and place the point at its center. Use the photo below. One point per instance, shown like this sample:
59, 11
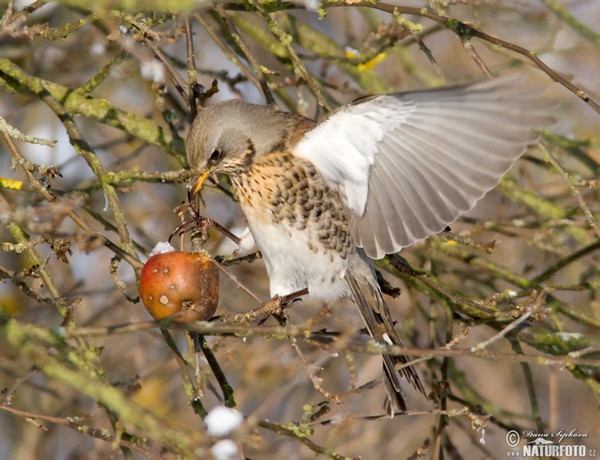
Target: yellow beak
200, 182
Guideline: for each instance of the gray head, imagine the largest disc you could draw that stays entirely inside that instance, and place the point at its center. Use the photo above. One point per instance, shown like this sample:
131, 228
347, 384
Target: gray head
227, 137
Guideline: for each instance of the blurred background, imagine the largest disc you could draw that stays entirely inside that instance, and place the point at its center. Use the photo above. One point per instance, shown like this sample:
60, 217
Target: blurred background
94, 105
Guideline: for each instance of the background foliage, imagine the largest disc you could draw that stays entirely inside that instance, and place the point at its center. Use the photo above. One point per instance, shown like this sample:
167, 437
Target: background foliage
503, 312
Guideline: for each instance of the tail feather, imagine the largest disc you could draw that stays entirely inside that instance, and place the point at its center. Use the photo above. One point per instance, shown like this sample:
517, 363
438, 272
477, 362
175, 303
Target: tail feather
368, 298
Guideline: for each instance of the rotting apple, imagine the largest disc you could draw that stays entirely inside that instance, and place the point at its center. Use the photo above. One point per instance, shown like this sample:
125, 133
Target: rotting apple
184, 285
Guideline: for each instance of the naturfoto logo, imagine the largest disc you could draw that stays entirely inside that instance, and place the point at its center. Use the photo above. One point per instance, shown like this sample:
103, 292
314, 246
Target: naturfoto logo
548, 444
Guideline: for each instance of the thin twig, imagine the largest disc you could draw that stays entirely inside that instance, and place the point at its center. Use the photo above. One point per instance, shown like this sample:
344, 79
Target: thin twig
482, 345
324, 337
462, 29
574, 189
48, 196
258, 69
284, 40
533, 400
97, 433
226, 388
250, 76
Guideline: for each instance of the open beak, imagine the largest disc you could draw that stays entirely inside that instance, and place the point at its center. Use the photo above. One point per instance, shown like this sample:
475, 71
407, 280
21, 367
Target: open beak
200, 181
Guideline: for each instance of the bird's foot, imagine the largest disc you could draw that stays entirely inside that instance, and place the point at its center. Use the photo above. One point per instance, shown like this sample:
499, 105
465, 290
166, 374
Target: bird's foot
275, 306
200, 223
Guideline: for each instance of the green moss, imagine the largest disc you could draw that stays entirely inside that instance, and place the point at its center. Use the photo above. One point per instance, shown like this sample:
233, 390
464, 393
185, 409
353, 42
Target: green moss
552, 342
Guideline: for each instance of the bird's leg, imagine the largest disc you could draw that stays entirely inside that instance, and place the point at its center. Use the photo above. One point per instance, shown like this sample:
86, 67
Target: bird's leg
293, 296
200, 223
277, 303
386, 287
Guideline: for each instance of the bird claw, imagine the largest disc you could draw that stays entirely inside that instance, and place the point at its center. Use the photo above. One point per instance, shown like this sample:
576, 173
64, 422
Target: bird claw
285, 299
277, 303
273, 307
201, 223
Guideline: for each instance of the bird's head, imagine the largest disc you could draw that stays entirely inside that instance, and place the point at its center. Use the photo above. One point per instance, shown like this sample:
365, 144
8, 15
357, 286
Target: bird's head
228, 137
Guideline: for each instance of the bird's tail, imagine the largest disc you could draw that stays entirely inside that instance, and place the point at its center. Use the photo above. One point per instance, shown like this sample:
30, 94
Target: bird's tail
368, 298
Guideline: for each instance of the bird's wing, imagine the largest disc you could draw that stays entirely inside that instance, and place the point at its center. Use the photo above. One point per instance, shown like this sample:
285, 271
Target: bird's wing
409, 164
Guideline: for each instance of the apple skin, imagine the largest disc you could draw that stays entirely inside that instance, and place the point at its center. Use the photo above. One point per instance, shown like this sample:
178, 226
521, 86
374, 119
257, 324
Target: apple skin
184, 285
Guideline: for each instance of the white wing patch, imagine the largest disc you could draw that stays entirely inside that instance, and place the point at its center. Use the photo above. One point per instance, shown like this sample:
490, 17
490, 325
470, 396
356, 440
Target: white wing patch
410, 164
344, 146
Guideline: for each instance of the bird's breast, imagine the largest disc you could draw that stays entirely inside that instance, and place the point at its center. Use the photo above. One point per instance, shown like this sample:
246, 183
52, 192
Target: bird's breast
298, 222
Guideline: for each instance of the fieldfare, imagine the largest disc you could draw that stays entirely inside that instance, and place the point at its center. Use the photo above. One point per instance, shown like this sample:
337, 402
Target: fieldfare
377, 175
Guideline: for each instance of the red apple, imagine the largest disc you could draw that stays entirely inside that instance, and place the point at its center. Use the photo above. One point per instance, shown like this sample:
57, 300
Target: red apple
182, 284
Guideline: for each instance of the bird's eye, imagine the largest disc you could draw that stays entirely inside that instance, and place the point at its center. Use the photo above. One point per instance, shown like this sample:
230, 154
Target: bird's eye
215, 155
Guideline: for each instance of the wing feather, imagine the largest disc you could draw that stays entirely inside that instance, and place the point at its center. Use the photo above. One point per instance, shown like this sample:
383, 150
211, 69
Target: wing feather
409, 164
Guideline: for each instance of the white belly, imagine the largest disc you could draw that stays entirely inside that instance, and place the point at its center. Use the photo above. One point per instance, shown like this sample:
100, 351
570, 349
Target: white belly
292, 265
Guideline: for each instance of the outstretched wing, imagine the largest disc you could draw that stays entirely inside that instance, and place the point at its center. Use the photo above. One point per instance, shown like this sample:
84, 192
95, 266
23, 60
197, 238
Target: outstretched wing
409, 164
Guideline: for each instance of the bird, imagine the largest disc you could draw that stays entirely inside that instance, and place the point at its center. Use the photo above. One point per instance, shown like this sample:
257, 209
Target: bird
324, 199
